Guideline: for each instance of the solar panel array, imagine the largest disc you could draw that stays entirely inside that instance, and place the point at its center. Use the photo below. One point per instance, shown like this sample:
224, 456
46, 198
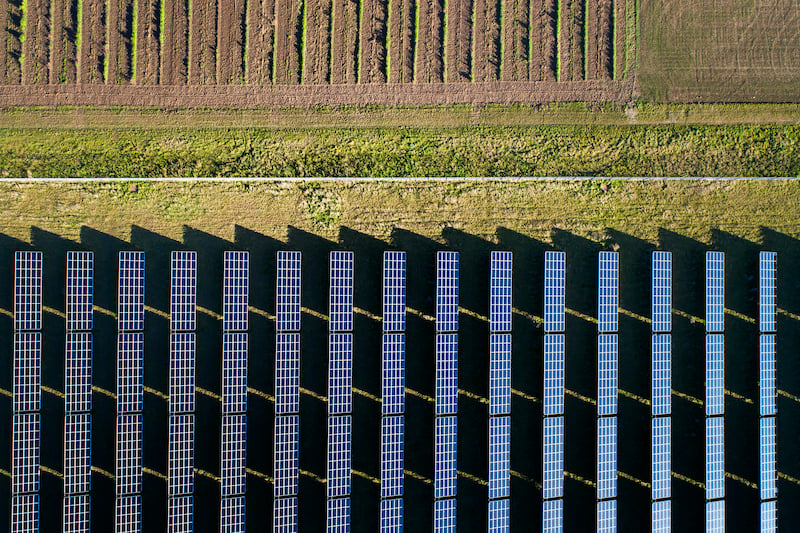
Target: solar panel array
27, 395
555, 266
607, 389
446, 392
393, 394
340, 390
286, 453
130, 300
715, 391
767, 387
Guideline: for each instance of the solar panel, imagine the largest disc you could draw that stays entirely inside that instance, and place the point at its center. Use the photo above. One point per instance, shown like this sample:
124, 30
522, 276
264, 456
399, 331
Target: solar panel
394, 291
446, 433
500, 516
555, 267
715, 375
234, 373
77, 514
182, 351
662, 292
446, 291
130, 303
285, 520
607, 516
77, 453
392, 515
27, 372
607, 370
500, 292
661, 374
130, 372
78, 373
287, 373
129, 455
27, 291
661, 448
553, 457
233, 455
766, 376
181, 455
552, 516
715, 457
499, 457
607, 292
393, 397
80, 281
129, 514
767, 298
287, 445
288, 292
232, 515
444, 516
25, 513
183, 292
715, 517
606, 457
338, 515
768, 458
446, 374
662, 516
392, 456
235, 291
553, 374
340, 373
180, 512
25, 457
340, 429
769, 517
341, 292
500, 374
715, 291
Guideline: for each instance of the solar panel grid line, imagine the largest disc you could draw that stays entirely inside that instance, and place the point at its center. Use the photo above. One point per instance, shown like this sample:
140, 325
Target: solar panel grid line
554, 291
128, 514
288, 291
392, 456
25, 459
715, 516
130, 372
661, 450
662, 292
444, 515
769, 516
715, 457
25, 513
500, 291
715, 292
286, 456
499, 374
447, 283
180, 458
661, 515
232, 515
499, 457
767, 376
392, 515
606, 457
236, 269
607, 374
285, 515
661, 374
340, 303
608, 292
767, 291
446, 391
128, 472
287, 373
768, 458
78, 372
27, 387
130, 296
553, 516
553, 403
338, 519
28, 291
394, 291
180, 514
234, 373
500, 516
607, 516
445, 456
233, 455
80, 291
183, 291
393, 379
553, 457
77, 453
339, 468
77, 512
182, 361
715, 375
340, 373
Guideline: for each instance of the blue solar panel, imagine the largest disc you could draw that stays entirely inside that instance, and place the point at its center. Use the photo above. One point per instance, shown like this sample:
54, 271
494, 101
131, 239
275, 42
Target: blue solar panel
553, 374
80, 276
234, 373
661, 447
553, 516
500, 374
232, 514
446, 374
340, 304
500, 516
715, 374
235, 291
129, 454
446, 291
338, 515
499, 457
340, 429
662, 516
715, 517
77, 514
27, 372
78, 373
129, 514
662, 292
446, 436
392, 515
766, 376
768, 484
500, 292
606, 457
181, 455
444, 516
182, 347
285, 520
288, 292
77, 453
715, 292
553, 457
555, 267
27, 291
394, 374
392, 456
183, 292
394, 291
130, 301
607, 516
130, 372
607, 359
233, 455
715, 457
340, 373
769, 517
287, 448
180, 514
25, 455
608, 292
287, 373
767, 298
25, 513
661, 374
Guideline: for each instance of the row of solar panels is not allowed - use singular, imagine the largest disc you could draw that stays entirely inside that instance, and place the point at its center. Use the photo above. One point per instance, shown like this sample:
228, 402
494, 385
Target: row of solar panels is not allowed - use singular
77, 488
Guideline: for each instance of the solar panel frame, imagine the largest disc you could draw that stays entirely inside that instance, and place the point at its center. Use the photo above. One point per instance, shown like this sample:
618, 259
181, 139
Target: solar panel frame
552, 457
180, 514
233, 455
340, 428
288, 291
500, 290
128, 515
287, 373
26, 451
79, 291
607, 374
661, 372
130, 372
77, 453
130, 298
499, 457
392, 515
340, 373
606, 457
446, 457
129, 454
499, 374
392, 456
27, 291
553, 403
338, 515
768, 458
662, 292
715, 375
500, 515
285, 515
234, 373
286, 456
27, 372
180, 464
235, 290
77, 510
553, 516
607, 516
393, 374
661, 516
661, 453
182, 381
340, 303
767, 376
447, 282
232, 514
446, 400
715, 516
715, 457
78, 372
715, 292
555, 268
444, 516
394, 291
769, 517
767, 291
25, 513
183, 291
608, 292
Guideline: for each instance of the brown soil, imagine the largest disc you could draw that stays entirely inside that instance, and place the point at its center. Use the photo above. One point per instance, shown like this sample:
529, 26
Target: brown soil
344, 41
515, 40
147, 43
13, 14
619, 38
316, 59
230, 41
174, 55
576, 27
605, 39
401, 40
63, 56
36, 48
260, 35
120, 18
458, 42
203, 42
372, 67
428, 64
288, 36
91, 64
